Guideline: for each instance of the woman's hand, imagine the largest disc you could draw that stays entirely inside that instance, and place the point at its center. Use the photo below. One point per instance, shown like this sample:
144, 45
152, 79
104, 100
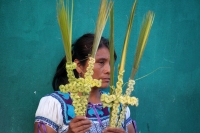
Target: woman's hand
113, 130
80, 124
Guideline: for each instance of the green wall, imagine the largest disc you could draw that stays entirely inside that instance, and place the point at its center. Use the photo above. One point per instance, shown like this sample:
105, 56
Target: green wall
31, 47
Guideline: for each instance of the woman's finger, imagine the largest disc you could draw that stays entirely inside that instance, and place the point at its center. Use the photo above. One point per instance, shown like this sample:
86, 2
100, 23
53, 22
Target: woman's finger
113, 130
78, 118
83, 122
85, 130
79, 124
81, 127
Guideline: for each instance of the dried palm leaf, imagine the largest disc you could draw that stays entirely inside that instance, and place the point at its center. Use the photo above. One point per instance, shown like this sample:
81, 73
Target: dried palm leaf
123, 58
111, 48
144, 33
104, 11
65, 16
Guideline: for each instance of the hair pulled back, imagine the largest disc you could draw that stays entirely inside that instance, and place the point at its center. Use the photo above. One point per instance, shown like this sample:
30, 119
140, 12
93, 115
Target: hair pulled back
80, 50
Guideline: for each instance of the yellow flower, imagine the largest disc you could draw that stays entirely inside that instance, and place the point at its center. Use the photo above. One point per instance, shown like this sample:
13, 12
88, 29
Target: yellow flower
112, 97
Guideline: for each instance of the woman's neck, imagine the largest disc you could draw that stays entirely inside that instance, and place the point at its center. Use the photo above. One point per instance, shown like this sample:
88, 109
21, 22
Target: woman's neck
95, 96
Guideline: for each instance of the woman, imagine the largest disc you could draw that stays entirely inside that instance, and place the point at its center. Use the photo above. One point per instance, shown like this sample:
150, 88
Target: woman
55, 113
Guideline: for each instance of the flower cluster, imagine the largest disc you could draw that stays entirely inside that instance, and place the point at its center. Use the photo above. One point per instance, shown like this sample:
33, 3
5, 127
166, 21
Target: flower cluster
90, 67
125, 100
77, 86
114, 113
116, 103
130, 88
69, 68
111, 101
121, 116
118, 90
108, 100
79, 103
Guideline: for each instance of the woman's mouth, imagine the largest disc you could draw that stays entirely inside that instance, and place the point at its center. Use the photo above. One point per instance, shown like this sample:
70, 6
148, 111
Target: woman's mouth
106, 80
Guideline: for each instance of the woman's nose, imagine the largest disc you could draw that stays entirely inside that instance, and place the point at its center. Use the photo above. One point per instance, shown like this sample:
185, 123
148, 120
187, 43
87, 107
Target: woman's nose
107, 68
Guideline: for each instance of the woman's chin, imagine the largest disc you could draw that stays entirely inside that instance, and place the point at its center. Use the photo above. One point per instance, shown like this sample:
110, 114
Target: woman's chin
104, 85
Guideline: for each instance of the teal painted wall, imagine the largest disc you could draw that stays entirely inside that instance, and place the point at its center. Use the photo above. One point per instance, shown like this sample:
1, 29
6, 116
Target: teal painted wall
31, 47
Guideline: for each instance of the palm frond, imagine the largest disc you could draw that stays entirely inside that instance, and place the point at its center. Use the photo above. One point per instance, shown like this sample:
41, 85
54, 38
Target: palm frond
123, 58
143, 37
111, 48
65, 16
104, 11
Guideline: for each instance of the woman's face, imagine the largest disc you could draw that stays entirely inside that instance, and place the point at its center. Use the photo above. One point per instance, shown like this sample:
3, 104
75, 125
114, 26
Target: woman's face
101, 66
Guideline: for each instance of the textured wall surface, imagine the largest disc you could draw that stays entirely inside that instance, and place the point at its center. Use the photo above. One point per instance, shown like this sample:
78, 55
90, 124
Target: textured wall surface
31, 48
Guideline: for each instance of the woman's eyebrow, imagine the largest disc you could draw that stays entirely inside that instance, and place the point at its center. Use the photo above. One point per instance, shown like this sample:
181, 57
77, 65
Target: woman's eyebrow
101, 58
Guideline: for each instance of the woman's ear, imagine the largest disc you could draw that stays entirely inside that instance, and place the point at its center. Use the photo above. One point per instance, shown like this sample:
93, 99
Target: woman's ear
78, 66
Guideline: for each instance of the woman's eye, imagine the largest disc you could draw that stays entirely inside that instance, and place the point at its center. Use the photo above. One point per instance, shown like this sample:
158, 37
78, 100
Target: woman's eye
101, 62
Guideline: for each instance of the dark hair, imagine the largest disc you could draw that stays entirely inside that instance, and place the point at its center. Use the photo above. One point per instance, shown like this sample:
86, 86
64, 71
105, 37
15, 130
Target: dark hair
81, 49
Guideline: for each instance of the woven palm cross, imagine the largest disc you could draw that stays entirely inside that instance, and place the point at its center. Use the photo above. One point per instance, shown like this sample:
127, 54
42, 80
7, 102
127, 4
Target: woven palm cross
114, 100
80, 85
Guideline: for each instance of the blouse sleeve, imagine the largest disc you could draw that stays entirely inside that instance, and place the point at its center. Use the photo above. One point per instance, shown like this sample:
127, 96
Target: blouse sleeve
49, 112
128, 114
129, 120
